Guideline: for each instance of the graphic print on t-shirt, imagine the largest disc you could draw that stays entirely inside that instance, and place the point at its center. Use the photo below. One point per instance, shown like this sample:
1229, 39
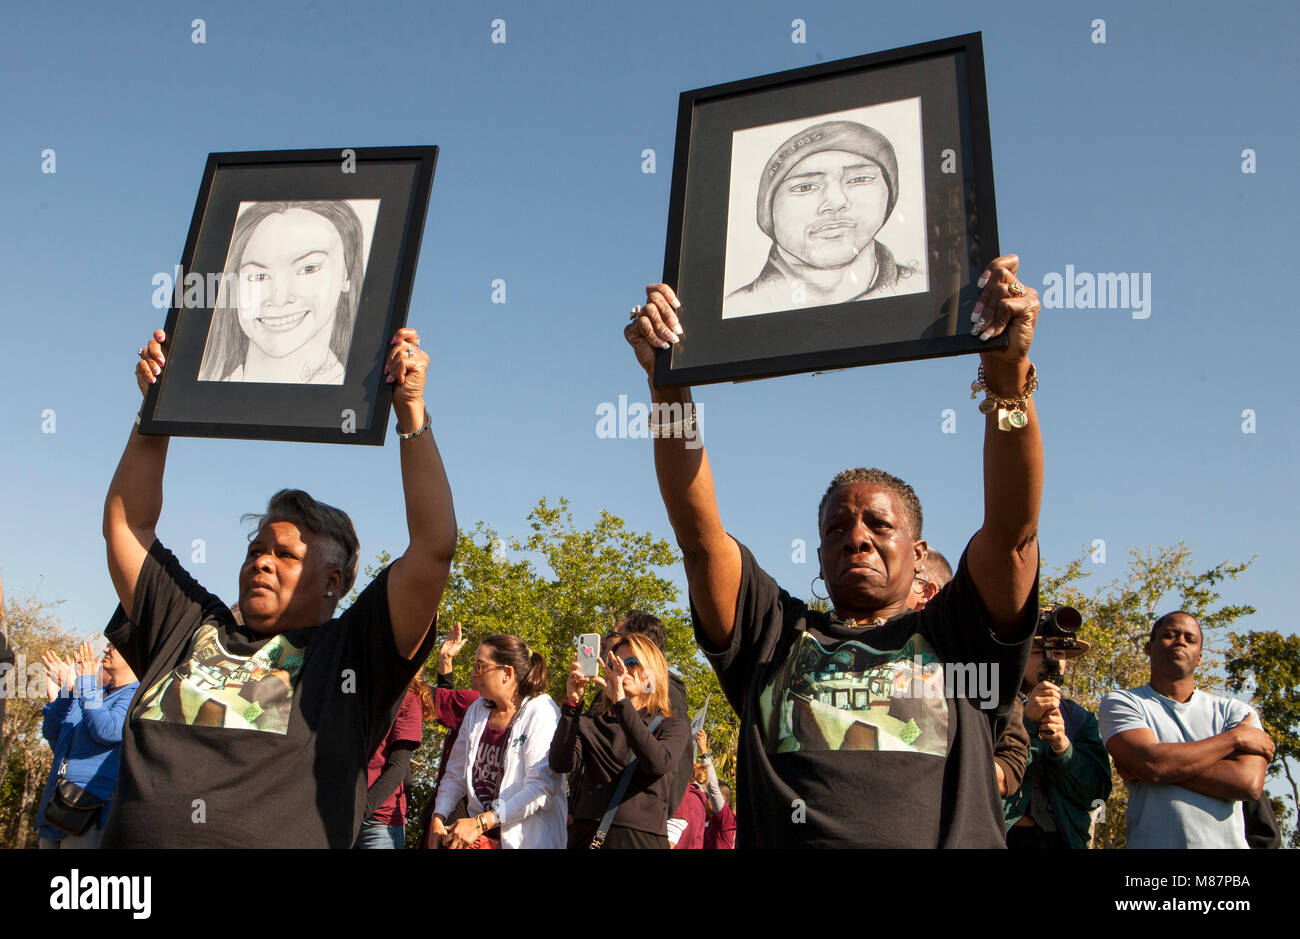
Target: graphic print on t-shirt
855, 697
217, 688
488, 764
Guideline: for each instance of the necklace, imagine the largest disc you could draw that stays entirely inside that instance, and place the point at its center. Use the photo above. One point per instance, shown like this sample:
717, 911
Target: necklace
857, 623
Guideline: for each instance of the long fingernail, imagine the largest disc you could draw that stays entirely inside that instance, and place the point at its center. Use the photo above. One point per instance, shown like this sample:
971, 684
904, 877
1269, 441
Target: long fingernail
984, 279
678, 330
975, 313
157, 370
673, 339
161, 360
986, 334
664, 345
389, 379
677, 304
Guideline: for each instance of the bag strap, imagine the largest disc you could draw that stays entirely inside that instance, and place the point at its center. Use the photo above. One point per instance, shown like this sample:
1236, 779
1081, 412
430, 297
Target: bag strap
621, 790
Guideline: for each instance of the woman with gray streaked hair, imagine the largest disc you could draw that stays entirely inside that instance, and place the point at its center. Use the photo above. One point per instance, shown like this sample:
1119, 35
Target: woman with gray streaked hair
258, 733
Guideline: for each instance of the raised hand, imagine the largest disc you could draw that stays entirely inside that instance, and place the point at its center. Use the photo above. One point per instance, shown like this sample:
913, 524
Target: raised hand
454, 642
152, 360
615, 670
56, 673
1006, 305
86, 662
654, 325
576, 686
406, 369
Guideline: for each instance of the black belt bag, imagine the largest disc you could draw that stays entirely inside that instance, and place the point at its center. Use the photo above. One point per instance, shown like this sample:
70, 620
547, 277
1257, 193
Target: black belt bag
72, 809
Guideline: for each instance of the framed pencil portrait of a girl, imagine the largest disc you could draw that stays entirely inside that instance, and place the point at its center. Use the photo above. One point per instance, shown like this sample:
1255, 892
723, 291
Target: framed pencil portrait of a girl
296, 272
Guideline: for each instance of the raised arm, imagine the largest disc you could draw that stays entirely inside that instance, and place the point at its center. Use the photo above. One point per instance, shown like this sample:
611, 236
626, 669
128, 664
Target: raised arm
134, 501
416, 579
1003, 555
710, 555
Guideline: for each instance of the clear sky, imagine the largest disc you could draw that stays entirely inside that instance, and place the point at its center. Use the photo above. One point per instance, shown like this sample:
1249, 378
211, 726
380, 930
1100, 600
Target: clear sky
1117, 157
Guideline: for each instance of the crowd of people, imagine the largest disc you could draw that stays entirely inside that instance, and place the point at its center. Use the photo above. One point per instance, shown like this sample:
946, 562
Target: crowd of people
279, 723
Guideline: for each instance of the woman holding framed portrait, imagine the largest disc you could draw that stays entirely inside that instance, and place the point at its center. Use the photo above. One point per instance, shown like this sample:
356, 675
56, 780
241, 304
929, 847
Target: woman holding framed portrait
853, 731
257, 731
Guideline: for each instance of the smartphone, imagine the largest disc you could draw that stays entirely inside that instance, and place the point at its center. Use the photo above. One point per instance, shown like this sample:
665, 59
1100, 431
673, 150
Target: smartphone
589, 653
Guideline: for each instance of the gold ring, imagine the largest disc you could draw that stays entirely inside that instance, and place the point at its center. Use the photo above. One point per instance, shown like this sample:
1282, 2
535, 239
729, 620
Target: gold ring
1017, 289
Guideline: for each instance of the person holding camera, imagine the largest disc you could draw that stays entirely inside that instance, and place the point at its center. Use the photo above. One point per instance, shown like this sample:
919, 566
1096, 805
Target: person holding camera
1068, 771
627, 748
83, 726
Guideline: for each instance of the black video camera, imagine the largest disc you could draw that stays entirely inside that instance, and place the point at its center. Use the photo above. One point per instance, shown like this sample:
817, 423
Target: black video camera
1057, 631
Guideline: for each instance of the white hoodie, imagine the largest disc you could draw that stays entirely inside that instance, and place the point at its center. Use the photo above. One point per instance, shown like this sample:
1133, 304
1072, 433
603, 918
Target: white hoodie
532, 803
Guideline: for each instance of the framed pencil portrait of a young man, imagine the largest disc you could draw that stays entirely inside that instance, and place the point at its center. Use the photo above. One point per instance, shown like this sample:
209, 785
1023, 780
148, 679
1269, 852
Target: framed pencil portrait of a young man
831, 216
296, 273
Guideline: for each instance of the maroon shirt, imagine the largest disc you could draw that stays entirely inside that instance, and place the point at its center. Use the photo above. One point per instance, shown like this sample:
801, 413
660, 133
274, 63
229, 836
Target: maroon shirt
450, 705
692, 809
489, 759
720, 831
408, 726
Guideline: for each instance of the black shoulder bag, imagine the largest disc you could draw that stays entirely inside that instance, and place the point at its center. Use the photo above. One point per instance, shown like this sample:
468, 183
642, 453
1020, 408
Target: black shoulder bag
72, 809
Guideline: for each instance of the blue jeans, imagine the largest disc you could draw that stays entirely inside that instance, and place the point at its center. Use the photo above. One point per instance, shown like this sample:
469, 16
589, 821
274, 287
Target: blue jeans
378, 835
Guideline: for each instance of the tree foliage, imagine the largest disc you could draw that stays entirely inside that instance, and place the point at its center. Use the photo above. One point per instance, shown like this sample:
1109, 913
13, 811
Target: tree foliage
1117, 619
1266, 666
24, 755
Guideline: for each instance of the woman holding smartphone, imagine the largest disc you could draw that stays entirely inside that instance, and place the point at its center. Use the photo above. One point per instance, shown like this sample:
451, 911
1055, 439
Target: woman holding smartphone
633, 721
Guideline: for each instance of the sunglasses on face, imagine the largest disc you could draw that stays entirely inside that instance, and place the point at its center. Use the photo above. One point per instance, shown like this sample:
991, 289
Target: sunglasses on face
481, 667
632, 661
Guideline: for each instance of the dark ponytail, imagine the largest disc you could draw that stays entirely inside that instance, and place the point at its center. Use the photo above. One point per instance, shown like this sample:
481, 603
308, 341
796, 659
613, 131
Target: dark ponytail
530, 668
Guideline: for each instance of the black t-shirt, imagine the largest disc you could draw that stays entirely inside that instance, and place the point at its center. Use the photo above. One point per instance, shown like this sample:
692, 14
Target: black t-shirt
241, 740
862, 737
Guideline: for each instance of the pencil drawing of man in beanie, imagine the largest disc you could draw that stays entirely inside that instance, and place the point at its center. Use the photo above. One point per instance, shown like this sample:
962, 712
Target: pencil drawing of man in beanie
822, 198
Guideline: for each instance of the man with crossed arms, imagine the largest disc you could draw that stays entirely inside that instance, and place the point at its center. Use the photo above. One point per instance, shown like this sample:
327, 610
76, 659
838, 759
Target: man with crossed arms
1189, 758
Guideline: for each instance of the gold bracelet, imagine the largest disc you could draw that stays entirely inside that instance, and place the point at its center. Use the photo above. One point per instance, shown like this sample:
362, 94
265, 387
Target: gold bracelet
1012, 412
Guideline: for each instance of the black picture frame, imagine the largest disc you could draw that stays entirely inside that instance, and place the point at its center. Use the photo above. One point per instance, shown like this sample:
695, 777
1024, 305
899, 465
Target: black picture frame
377, 199
954, 240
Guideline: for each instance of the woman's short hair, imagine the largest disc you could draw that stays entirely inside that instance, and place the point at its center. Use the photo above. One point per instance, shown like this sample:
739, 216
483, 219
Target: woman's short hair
655, 667
331, 525
530, 667
878, 477
227, 346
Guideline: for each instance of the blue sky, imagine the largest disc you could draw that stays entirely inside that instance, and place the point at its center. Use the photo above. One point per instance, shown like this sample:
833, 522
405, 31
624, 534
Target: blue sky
1115, 157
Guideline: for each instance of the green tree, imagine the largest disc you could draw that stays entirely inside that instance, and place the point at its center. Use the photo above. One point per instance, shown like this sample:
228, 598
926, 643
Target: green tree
557, 582
1117, 620
1266, 665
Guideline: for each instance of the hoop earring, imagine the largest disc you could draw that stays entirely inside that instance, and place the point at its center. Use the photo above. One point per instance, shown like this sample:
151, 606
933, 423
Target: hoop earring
813, 587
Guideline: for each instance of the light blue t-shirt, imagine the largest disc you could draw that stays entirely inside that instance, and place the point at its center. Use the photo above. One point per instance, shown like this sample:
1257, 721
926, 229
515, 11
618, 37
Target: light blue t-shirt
1169, 816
